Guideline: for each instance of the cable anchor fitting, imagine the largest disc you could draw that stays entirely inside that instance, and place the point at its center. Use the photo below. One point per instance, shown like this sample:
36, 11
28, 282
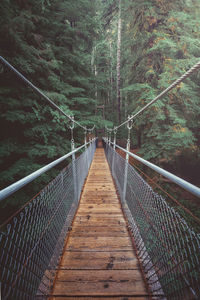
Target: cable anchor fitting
130, 123
72, 124
129, 127
72, 132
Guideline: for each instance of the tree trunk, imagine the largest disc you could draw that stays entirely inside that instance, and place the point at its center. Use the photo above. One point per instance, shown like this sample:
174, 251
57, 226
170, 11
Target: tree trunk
94, 70
96, 91
111, 75
119, 63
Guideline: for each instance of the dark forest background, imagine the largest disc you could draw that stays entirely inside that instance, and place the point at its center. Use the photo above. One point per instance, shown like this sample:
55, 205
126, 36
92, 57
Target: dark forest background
83, 54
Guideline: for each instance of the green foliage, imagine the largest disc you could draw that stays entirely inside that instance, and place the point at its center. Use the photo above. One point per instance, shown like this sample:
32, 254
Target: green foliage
51, 43
161, 42
68, 49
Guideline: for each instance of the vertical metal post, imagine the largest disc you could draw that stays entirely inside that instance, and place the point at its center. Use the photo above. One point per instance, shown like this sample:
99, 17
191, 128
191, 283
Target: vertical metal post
108, 139
114, 144
129, 126
86, 153
105, 138
73, 161
106, 134
90, 132
74, 171
85, 139
90, 140
114, 141
110, 134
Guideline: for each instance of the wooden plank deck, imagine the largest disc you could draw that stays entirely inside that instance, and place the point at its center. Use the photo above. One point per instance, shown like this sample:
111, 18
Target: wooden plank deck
98, 260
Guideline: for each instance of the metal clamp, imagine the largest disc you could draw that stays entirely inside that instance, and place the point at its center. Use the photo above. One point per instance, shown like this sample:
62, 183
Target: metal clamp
85, 135
129, 127
90, 132
72, 132
109, 133
109, 136
115, 134
130, 122
72, 125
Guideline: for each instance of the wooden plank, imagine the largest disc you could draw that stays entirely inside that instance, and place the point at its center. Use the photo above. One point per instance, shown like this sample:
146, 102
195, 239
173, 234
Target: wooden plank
114, 231
98, 185
100, 199
108, 216
100, 207
94, 197
100, 282
104, 183
105, 209
98, 220
100, 298
100, 194
99, 210
99, 260
93, 206
99, 243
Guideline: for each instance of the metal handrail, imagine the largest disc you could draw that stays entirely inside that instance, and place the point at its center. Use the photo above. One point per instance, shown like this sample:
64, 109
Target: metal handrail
166, 246
32, 240
179, 181
4, 193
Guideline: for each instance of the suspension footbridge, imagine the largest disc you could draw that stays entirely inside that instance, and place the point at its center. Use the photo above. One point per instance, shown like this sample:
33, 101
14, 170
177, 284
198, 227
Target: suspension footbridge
98, 230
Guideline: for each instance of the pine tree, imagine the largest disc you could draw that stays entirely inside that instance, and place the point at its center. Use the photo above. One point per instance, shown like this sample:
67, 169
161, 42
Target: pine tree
51, 43
119, 63
159, 54
160, 42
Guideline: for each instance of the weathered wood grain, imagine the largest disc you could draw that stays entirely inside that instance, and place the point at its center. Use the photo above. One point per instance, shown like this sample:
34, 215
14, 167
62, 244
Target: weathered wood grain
100, 298
100, 219
112, 231
100, 282
99, 243
98, 261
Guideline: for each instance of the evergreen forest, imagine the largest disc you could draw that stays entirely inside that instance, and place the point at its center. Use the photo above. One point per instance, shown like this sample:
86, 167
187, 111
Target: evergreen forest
84, 55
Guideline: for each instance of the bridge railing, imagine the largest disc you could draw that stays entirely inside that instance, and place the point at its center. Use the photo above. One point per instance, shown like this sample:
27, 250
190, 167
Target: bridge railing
167, 247
32, 242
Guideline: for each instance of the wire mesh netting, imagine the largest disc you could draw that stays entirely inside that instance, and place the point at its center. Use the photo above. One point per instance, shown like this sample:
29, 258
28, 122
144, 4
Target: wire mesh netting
32, 242
167, 247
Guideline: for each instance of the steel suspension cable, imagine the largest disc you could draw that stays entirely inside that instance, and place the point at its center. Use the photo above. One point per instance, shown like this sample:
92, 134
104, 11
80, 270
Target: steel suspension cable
174, 84
38, 91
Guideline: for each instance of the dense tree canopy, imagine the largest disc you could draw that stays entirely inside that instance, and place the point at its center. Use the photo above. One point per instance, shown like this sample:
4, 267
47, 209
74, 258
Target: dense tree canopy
51, 43
160, 42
